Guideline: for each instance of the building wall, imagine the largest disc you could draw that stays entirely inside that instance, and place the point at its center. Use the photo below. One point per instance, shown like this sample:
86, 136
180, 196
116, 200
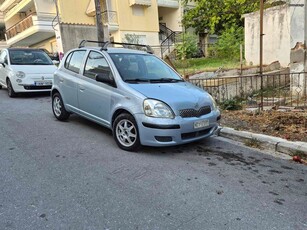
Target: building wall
73, 11
137, 18
73, 34
172, 18
276, 41
49, 44
42, 7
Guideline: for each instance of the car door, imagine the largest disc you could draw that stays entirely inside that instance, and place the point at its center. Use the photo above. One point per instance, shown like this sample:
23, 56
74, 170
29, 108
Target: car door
4, 68
69, 78
95, 97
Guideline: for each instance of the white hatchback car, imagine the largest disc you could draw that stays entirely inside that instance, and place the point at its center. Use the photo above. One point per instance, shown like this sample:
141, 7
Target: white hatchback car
25, 70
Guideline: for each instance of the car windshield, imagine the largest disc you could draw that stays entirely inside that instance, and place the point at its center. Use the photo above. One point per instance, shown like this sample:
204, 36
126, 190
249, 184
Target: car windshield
143, 68
29, 57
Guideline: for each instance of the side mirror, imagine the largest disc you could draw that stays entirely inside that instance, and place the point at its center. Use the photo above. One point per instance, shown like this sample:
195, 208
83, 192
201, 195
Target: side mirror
55, 62
2, 63
105, 78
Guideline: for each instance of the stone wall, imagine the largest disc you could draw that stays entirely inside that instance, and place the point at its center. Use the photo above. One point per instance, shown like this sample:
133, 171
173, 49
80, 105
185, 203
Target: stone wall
73, 34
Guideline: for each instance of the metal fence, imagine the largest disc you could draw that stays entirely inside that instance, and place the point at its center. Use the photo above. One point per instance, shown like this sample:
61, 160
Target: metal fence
269, 90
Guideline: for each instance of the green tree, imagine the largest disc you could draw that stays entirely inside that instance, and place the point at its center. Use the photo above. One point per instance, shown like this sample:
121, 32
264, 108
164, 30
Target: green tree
228, 44
217, 15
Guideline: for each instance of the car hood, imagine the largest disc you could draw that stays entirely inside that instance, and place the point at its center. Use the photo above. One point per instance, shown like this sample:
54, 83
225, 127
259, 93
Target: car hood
34, 69
181, 95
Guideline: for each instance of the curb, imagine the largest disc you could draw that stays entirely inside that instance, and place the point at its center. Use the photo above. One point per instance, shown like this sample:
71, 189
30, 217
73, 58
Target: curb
275, 144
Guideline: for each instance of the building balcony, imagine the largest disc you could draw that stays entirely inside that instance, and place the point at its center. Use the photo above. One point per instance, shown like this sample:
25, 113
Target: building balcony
31, 30
15, 7
1, 19
140, 2
168, 3
5, 5
3, 44
109, 19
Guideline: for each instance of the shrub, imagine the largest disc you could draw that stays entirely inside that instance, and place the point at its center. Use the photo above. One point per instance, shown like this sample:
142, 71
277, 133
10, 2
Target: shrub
188, 47
228, 44
231, 104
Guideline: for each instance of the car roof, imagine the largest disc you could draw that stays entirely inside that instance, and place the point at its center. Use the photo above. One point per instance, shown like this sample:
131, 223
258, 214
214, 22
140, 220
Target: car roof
118, 47
116, 50
25, 49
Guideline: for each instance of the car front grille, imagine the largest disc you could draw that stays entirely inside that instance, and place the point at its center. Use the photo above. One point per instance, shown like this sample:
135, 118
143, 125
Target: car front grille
195, 113
36, 87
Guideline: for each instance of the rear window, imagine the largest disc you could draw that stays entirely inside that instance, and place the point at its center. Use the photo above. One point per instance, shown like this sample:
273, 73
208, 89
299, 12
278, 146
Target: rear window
29, 57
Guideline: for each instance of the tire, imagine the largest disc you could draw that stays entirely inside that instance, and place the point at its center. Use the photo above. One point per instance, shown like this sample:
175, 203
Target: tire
10, 89
125, 132
58, 108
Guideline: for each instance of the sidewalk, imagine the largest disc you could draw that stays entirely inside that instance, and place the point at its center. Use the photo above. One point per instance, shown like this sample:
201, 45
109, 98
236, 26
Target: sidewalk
275, 144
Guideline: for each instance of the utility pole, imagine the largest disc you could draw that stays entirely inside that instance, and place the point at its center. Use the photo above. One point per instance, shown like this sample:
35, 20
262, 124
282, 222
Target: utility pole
261, 51
99, 25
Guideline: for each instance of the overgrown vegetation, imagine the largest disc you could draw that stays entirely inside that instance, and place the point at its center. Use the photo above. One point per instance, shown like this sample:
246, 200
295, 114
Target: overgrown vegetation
194, 65
228, 44
187, 48
254, 143
231, 104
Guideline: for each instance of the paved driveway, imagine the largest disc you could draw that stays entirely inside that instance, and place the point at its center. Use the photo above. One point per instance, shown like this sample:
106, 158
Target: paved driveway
71, 175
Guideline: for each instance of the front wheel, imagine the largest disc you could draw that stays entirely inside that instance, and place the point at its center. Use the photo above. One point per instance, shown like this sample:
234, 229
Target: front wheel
58, 108
125, 132
10, 89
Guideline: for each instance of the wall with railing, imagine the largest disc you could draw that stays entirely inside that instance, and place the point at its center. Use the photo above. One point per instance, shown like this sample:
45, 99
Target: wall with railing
278, 89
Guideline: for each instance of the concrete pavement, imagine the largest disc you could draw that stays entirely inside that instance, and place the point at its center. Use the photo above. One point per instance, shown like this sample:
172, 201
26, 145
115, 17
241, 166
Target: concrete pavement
276, 144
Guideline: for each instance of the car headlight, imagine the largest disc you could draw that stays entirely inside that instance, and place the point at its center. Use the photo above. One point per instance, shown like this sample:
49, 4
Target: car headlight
20, 74
214, 104
155, 108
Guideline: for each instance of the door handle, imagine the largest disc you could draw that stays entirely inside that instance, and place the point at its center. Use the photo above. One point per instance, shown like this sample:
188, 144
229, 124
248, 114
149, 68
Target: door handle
81, 87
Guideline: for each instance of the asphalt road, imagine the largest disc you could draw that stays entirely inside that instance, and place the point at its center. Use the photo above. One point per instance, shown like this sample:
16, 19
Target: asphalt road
71, 175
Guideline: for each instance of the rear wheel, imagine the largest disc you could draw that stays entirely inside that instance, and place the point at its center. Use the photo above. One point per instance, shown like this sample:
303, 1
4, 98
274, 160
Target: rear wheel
58, 108
10, 89
125, 132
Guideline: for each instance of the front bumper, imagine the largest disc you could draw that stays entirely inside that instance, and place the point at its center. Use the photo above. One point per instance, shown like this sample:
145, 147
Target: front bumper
32, 84
168, 132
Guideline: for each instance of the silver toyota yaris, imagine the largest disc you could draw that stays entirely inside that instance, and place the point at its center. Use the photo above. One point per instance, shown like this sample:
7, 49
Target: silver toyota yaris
135, 94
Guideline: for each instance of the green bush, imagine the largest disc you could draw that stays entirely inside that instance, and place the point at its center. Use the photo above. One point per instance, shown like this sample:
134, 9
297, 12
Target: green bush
188, 47
228, 44
231, 104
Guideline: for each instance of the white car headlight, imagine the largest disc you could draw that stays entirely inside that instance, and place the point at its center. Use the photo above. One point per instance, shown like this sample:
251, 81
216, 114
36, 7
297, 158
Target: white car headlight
155, 108
20, 74
214, 104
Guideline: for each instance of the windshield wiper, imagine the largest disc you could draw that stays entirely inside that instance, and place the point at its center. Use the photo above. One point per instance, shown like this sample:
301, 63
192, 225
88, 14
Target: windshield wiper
136, 80
165, 80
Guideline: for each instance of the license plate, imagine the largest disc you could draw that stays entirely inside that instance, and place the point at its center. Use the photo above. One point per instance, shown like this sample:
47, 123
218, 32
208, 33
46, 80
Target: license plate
38, 83
201, 124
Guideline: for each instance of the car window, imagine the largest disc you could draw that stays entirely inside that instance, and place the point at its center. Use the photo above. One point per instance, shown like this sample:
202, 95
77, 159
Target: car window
29, 57
3, 57
96, 64
142, 66
74, 60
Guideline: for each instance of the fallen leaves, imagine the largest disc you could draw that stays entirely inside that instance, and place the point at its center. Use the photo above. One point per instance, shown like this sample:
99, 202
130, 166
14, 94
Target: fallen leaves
288, 125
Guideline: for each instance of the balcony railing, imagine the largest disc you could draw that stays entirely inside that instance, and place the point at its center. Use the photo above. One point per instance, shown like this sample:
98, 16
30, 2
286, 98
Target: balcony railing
168, 3
140, 2
20, 27
109, 18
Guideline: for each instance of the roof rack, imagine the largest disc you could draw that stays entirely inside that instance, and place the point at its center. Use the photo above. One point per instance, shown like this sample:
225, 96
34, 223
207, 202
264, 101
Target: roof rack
82, 43
105, 45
